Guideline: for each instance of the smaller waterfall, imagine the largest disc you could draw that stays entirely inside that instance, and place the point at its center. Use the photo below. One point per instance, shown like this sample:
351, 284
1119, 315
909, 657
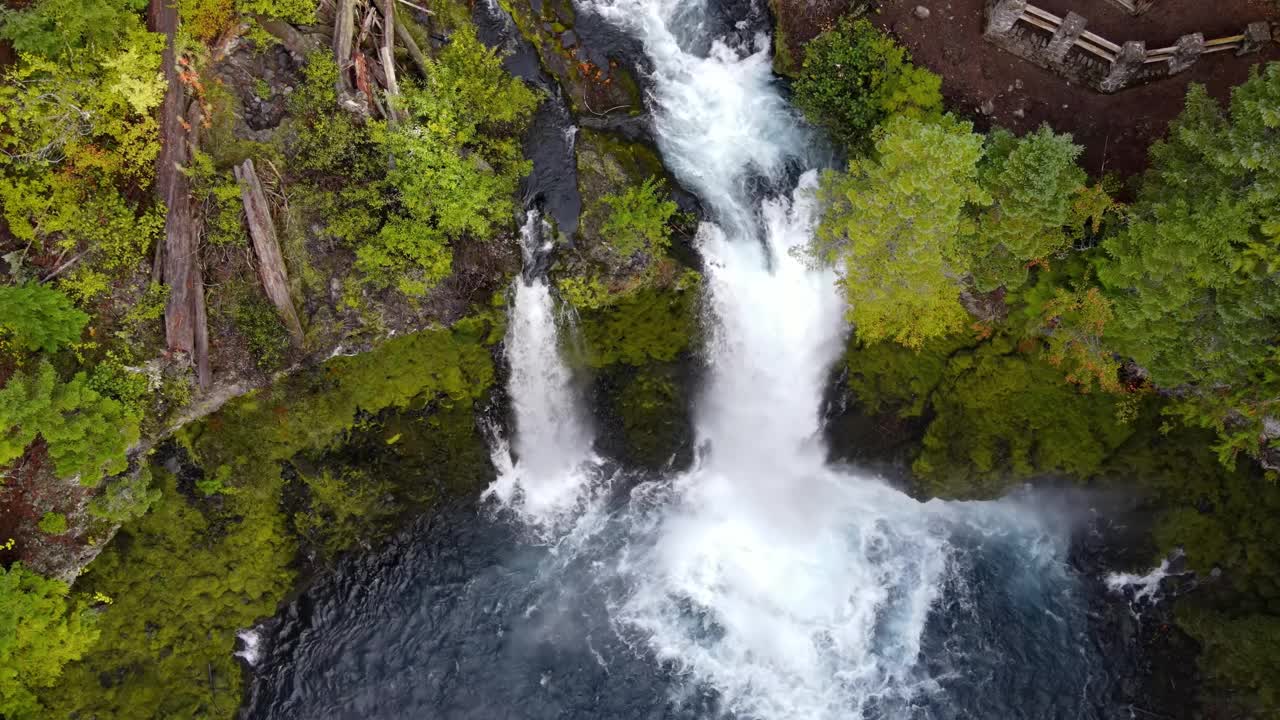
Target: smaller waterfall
545, 476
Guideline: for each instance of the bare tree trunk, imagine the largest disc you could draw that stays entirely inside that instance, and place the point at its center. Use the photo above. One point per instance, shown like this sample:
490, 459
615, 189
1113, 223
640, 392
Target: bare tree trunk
271, 268
343, 33
387, 54
177, 260
415, 52
288, 36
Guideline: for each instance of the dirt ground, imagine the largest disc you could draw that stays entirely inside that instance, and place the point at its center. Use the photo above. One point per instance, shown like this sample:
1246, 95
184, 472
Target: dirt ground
1115, 129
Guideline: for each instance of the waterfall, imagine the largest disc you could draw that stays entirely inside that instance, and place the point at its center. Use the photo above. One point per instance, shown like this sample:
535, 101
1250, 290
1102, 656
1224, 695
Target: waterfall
544, 476
761, 584
788, 588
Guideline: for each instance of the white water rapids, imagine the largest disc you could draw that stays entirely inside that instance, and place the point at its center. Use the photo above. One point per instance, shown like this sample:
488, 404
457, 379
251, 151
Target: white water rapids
794, 590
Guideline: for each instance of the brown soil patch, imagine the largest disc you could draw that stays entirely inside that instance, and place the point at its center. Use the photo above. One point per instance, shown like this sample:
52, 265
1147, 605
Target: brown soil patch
1115, 129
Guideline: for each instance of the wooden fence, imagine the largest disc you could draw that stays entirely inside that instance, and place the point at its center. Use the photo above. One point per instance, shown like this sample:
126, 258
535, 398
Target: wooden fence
1062, 44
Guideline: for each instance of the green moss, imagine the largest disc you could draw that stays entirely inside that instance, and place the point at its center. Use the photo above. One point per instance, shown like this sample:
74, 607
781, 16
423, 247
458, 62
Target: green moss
53, 523
310, 409
888, 377
183, 580
653, 324
199, 567
655, 416
1003, 417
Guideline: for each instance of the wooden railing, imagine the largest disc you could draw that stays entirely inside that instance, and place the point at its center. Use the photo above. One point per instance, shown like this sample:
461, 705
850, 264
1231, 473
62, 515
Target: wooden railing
1110, 66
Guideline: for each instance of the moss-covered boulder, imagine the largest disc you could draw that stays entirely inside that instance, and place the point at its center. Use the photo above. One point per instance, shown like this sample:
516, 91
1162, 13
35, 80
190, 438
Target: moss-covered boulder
594, 82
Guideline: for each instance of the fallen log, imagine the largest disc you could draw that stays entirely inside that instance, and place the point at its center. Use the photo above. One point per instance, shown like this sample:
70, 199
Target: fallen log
387, 54
177, 260
343, 34
271, 268
415, 52
289, 36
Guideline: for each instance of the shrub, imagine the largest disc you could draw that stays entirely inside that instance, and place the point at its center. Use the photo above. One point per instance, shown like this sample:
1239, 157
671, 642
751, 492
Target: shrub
854, 77
638, 219
37, 317
40, 631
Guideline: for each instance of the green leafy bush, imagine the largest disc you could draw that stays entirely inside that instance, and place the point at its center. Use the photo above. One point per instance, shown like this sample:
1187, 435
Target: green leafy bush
854, 77
41, 629
87, 433
638, 219
456, 165
37, 317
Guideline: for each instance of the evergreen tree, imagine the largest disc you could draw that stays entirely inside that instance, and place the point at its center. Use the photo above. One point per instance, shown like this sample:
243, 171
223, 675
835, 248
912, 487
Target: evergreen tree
896, 227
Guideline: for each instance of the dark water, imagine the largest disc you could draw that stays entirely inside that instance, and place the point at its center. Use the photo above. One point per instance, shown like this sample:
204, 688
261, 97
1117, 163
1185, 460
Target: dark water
462, 617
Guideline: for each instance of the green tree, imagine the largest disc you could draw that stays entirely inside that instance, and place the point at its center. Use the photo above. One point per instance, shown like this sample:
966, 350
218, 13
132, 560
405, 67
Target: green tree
87, 433
638, 219
41, 630
1195, 277
896, 227
37, 317
1033, 181
854, 77
456, 166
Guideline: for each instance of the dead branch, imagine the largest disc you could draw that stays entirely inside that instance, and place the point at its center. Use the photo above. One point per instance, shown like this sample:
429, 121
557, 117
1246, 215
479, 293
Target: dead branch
387, 54
289, 36
415, 52
271, 267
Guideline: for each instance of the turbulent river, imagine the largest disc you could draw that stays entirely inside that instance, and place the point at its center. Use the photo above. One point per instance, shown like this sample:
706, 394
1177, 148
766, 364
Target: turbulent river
762, 583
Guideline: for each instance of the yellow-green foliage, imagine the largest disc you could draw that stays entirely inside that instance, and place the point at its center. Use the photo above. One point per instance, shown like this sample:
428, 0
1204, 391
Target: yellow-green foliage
638, 219
456, 165
896, 226
79, 136
41, 629
183, 579
1002, 417
36, 317
652, 324
87, 433
309, 410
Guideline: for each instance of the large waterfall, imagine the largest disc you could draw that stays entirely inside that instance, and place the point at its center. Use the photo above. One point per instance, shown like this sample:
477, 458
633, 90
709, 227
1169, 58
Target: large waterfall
759, 585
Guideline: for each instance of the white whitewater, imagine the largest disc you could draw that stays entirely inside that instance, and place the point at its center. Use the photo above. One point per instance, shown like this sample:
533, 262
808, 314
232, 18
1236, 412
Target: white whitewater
544, 477
791, 588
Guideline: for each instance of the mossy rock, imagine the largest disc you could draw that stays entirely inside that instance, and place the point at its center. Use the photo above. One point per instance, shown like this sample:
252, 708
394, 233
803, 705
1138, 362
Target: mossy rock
647, 416
608, 164
592, 88
650, 325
